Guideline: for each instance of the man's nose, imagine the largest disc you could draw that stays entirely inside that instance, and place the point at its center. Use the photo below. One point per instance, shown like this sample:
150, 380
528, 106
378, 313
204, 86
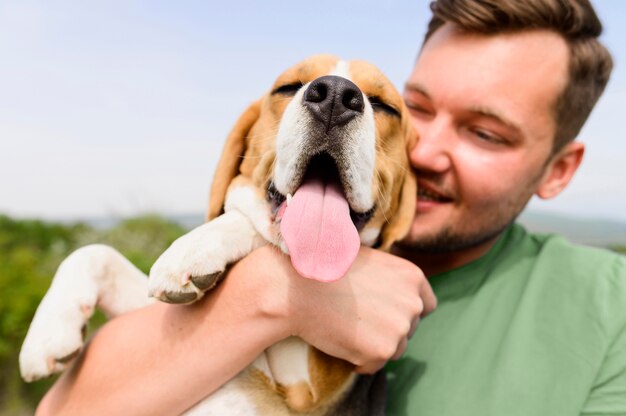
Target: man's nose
433, 150
333, 100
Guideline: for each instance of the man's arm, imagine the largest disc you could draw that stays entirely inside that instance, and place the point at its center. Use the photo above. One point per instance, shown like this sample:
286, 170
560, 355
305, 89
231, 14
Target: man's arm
164, 358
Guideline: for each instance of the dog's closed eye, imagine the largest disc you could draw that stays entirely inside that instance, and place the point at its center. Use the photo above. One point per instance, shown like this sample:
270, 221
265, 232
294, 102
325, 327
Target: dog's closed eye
288, 89
379, 105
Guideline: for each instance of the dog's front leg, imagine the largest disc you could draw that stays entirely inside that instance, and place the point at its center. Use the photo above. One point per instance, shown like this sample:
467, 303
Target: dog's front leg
92, 276
196, 261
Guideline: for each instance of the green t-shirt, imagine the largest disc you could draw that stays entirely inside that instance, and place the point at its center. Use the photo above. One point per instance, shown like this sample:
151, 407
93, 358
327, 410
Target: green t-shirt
535, 327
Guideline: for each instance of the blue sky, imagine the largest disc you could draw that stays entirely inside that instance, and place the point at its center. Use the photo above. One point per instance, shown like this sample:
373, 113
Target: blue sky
121, 107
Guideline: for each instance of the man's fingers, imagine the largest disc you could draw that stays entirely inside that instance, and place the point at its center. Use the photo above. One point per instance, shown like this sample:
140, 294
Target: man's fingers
414, 324
401, 348
428, 298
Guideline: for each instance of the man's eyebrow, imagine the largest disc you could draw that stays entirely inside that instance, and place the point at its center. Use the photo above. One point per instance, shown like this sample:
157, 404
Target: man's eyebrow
497, 116
415, 87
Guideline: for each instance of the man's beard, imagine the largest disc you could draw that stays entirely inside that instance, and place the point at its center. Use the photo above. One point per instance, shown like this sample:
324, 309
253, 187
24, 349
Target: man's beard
447, 241
453, 238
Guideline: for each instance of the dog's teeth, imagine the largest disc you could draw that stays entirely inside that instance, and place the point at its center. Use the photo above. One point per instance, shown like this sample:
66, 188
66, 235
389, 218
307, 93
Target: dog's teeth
289, 196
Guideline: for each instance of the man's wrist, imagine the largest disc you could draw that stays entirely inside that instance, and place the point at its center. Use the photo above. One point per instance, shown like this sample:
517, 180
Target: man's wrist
261, 281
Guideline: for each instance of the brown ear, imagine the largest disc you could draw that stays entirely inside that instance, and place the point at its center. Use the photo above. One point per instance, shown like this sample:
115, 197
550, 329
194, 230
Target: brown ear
401, 219
232, 155
400, 222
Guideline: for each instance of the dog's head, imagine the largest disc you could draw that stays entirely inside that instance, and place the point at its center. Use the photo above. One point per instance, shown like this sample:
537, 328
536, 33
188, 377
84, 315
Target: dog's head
326, 150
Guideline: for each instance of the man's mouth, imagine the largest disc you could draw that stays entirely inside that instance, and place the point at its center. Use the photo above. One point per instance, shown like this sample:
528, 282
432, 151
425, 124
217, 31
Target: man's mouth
317, 224
428, 194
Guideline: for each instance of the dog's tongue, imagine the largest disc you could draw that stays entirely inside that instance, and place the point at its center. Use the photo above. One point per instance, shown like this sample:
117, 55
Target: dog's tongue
316, 226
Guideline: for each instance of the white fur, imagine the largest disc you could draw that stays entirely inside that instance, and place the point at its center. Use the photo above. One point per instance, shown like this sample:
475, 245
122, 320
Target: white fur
231, 399
342, 69
290, 140
245, 200
369, 236
289, 361
261, 364
362, 152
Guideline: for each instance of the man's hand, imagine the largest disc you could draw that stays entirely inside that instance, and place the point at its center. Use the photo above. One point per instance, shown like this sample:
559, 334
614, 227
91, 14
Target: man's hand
365, 318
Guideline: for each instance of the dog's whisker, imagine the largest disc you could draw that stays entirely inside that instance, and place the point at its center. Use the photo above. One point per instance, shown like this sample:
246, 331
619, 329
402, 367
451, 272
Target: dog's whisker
381, 195
395, 162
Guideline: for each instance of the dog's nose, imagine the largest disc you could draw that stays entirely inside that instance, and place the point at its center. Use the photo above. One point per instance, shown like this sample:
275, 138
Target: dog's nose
333, 100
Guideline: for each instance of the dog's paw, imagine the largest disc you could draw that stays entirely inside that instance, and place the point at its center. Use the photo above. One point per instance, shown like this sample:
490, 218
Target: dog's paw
192, 265
54, 339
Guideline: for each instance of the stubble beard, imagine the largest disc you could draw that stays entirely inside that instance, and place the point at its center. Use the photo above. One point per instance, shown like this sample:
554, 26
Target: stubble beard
486, 227
449, 240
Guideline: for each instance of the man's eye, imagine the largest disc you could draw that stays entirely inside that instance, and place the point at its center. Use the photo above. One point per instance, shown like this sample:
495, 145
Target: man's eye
288, 89
488, 137
380, 105
416, 108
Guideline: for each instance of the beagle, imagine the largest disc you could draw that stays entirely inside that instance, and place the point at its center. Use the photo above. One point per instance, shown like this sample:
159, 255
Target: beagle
316, 167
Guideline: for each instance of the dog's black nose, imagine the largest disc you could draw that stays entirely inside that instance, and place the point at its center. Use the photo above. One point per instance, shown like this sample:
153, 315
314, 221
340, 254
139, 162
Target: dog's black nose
333, 100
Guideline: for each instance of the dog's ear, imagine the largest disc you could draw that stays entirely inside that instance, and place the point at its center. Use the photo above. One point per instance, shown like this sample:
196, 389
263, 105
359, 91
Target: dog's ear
232, 156
400, 222
401, 219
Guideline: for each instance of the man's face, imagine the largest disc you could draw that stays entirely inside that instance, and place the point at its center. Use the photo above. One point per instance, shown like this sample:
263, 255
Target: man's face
483, 108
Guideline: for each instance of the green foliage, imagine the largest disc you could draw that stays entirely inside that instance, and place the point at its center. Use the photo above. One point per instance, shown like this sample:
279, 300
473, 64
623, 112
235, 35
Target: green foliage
140, 239
30, 252
619, 249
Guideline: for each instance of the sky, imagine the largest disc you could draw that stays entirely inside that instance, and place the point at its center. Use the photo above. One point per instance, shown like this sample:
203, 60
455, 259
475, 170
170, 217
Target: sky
118, 108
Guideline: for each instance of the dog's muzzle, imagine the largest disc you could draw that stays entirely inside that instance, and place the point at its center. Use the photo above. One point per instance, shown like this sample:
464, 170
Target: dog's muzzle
329, 133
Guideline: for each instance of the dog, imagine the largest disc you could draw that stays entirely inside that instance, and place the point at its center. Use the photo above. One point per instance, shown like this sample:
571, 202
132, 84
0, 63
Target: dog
322, 157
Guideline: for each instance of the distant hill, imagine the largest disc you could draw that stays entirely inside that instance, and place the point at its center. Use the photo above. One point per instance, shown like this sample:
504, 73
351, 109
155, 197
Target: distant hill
591, 231
188, 221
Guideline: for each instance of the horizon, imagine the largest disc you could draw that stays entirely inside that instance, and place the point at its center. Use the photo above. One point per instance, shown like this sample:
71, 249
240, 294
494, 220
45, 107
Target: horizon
114, 217
597, 232
119, 109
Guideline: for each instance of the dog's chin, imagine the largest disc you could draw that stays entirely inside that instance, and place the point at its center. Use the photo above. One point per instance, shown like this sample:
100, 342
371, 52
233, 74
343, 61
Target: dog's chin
321, 167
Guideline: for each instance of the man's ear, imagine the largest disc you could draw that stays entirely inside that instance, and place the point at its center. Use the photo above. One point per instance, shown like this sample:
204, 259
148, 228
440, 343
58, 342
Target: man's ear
561, 170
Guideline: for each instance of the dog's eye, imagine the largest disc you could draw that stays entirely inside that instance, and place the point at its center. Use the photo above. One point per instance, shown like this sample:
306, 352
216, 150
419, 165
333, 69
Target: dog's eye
380, 105
288, 89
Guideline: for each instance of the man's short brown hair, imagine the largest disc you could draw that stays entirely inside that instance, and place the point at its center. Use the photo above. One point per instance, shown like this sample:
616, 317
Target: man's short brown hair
576, 21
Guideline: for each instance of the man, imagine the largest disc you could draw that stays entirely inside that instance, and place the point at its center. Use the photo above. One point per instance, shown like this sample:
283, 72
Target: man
525, 324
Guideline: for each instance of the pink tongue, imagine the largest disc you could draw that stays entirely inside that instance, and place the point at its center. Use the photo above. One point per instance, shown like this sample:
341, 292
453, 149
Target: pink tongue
316, 226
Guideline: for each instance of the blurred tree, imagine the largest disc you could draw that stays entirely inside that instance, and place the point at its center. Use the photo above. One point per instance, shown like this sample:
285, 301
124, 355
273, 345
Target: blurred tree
143, 239
30, 252
619, 249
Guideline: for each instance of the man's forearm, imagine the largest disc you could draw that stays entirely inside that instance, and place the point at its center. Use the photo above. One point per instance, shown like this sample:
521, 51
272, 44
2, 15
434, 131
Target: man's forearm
162, 359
